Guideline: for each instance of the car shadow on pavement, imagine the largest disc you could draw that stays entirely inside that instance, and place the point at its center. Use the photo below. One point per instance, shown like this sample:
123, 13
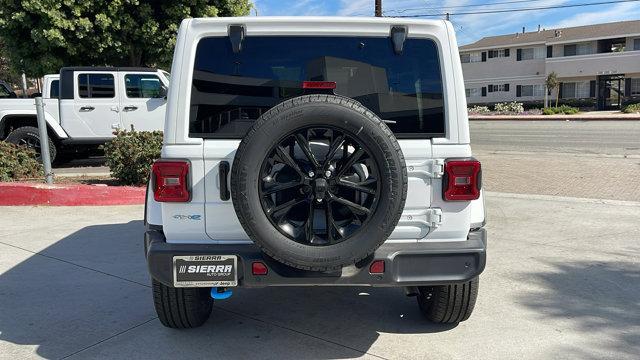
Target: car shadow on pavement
591, 297
90, 293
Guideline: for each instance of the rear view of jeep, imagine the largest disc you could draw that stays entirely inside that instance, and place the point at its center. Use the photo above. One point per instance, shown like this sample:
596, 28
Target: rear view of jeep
315, 152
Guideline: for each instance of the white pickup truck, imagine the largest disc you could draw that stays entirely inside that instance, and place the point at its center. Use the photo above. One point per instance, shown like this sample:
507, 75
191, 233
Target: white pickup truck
84, 105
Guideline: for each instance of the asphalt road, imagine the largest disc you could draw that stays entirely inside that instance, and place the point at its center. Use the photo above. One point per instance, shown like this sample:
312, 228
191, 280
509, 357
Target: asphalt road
577, 137
562, 282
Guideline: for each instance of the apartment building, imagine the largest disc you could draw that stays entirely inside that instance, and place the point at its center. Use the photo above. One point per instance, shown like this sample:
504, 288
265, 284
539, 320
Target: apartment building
595, 64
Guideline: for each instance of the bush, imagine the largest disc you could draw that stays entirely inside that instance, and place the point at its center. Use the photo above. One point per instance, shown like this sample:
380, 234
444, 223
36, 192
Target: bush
477, 109
131, 153
509, 108
18, 162
560, 110
579, 103
632, 109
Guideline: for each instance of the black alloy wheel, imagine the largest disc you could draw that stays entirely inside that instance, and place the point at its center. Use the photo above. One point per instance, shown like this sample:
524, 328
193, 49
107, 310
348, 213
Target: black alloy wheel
319, 185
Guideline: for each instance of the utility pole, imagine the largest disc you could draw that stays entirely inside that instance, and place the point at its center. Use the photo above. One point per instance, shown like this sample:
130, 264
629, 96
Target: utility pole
378, 8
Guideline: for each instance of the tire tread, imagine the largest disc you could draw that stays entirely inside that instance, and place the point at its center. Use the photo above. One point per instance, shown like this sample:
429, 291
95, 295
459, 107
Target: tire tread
181, 308
448, 304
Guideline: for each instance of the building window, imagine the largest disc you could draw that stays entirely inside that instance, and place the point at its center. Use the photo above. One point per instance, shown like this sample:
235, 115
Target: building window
532, 90
471, 57
636, 44
575, 90
635, 85
532, 53
498, 88
499, 53
472, 92
578, 49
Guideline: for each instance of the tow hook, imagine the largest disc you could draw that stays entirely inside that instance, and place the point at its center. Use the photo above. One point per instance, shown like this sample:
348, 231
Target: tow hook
220, 293
411, 291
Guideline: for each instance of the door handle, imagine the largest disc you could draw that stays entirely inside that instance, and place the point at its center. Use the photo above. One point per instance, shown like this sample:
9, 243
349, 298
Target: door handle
130, 108
223, 172
87, 108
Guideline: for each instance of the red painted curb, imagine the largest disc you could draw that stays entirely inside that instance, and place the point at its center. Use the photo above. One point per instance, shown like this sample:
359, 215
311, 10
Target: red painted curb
21, 194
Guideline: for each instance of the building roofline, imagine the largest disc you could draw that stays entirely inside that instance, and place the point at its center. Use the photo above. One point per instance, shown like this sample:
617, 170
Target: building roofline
628, 28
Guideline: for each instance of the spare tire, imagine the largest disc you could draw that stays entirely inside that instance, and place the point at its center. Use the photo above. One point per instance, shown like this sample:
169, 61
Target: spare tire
319, 182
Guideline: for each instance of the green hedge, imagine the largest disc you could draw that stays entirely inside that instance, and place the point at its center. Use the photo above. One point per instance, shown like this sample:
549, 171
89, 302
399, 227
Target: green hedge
131, 153
632, 109
18, 163
560, 110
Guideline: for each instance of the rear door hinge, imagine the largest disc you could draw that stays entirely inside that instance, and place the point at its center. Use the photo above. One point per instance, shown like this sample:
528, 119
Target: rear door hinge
434, 217
438, 168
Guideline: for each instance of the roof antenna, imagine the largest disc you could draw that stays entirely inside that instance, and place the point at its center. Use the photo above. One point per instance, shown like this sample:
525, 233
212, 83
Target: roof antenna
236, 36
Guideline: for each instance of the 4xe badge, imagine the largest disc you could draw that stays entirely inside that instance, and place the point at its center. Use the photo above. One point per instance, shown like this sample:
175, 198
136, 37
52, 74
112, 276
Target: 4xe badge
187, 217
205, 271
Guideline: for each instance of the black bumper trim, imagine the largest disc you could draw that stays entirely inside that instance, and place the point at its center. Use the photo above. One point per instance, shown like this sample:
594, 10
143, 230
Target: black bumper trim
406, 264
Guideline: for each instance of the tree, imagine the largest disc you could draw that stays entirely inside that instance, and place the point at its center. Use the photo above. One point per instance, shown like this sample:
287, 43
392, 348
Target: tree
49, 34
551, 82
8, 72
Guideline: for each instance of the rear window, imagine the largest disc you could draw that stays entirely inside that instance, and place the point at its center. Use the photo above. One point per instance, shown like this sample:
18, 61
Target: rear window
55, 89
231, 90
96, 86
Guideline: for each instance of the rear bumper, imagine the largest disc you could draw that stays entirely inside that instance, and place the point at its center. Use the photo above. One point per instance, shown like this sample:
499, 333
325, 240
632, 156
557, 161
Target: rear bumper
415, 264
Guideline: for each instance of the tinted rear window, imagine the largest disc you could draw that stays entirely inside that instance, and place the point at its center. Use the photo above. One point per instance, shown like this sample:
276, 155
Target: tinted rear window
231, 90
55, 89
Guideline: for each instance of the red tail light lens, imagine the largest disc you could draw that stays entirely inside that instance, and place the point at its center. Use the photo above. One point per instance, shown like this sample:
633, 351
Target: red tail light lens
377, 267
318, 84
170, 181
259, 268
462, 180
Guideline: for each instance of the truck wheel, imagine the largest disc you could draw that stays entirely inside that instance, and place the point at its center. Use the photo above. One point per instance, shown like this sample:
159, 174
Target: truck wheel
181, 308
319, 182
448, 304
30, 137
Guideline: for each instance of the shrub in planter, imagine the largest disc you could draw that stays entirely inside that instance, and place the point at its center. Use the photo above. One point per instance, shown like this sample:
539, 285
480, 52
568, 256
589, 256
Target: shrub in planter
509, 108
18, 162
560, 110
632, 109
131, 153
478, 109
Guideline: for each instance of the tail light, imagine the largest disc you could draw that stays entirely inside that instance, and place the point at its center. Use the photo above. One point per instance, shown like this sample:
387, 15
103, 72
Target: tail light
170, 181
462, 180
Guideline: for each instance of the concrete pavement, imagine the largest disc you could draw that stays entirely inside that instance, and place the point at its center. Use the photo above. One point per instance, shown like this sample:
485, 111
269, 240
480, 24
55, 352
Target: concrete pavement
562, 281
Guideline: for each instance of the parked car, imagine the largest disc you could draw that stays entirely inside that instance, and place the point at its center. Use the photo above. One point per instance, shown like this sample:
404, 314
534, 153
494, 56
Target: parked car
315, 152
84, 105
6, 92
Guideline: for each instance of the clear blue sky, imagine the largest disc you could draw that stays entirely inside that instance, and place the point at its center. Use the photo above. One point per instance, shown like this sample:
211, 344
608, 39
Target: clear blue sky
469, 27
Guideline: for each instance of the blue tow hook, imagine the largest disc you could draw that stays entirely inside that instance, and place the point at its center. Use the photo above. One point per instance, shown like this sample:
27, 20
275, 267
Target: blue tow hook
221, 293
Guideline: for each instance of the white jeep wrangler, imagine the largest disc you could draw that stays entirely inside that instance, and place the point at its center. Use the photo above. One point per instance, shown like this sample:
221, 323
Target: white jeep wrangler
315, 152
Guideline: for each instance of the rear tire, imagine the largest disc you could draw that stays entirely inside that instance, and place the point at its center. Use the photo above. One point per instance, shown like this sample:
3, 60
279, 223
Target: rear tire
29, 136
448, 304
182, 308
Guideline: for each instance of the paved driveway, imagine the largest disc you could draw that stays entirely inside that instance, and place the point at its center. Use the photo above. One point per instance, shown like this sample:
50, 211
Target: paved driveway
563, 281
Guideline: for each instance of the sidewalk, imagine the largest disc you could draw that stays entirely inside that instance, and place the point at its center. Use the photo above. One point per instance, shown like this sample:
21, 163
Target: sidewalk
586, 116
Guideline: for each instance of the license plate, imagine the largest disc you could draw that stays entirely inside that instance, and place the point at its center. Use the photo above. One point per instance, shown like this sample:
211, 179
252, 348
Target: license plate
205, 271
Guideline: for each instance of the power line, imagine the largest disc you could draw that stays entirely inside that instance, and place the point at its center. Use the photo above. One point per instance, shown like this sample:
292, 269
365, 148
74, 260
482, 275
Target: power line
518, 9
465, 6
